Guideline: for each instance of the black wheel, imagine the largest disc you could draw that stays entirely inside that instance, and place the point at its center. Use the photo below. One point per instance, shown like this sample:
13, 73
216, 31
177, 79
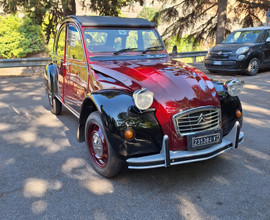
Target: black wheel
253, 67
103, 158
55, 105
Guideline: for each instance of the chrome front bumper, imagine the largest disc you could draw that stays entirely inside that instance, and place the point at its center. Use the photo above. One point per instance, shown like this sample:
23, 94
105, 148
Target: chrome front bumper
167, 157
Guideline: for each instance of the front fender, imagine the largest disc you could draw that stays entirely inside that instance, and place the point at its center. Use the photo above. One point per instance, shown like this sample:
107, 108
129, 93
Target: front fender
118, 113
229, 105
51, 79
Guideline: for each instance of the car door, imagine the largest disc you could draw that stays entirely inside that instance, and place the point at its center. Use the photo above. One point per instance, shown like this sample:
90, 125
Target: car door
59, 59
76, 69
266, 49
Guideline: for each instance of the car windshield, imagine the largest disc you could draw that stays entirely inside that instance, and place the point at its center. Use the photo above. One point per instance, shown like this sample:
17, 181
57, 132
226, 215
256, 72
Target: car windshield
119, 41
239, 37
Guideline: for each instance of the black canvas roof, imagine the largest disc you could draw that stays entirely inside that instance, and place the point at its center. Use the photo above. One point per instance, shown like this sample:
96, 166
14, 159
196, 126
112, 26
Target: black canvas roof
106, 21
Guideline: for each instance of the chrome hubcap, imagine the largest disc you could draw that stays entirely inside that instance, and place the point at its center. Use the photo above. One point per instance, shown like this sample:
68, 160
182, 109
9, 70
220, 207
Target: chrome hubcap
97, 144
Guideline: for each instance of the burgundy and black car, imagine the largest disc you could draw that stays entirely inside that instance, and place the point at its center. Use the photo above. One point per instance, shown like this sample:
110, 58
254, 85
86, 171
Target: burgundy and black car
135, 106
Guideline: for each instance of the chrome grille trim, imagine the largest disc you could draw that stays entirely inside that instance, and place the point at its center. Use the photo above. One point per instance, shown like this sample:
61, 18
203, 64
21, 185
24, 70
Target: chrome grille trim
189, 122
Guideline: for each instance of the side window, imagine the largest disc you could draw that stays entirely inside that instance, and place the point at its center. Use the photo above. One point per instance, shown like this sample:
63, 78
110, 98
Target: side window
268, 34
74, 44
260, 39
60, 47
132, 39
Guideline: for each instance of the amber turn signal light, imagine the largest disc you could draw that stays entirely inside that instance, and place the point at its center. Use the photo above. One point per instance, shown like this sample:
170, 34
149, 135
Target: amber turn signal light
129, 134
238, 113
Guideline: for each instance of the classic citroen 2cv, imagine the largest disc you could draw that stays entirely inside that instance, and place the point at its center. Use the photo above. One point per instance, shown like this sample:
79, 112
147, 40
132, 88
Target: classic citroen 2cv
135, 105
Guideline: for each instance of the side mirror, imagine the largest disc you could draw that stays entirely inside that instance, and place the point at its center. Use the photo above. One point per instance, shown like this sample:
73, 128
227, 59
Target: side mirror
174, 51
268, 40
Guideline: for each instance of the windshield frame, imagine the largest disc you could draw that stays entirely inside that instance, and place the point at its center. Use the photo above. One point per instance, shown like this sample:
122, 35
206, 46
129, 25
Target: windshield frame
111, 52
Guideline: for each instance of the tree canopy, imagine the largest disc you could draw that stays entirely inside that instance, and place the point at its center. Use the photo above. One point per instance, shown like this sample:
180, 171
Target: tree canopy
207, 19
48, 13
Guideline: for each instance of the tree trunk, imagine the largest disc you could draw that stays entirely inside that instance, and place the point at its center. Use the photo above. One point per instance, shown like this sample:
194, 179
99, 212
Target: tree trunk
222, 14
69, 7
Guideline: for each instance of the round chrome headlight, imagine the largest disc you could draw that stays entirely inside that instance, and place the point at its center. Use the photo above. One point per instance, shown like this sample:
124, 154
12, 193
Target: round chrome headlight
242, 50
143, 98
234, 87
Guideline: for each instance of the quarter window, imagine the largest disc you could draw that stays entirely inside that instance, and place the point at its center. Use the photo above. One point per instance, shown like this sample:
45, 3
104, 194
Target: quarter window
60, 47
74, 44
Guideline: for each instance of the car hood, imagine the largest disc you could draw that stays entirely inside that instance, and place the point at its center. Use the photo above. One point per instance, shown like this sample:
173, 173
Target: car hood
176, 86
230, 47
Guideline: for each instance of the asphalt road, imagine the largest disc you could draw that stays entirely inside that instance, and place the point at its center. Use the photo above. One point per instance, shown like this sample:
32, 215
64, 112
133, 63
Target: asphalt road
45, 172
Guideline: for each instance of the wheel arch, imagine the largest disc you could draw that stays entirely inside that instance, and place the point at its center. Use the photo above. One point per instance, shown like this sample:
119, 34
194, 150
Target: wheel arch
114, 107
51, 79
229, 105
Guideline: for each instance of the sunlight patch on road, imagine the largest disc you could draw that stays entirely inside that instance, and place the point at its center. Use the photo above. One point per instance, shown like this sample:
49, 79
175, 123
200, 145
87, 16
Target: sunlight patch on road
46, 121
4, 126
254, 169
29, 136
99, 185
10, 88
221, 180
254, 87
256, 122
39, 206
256, 109
188, 209
256, 153
53, 147
77, 168
4, 105
37, 188
99, 215
34, 187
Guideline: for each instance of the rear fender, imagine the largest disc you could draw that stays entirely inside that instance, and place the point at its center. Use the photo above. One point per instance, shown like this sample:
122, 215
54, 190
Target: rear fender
51, 79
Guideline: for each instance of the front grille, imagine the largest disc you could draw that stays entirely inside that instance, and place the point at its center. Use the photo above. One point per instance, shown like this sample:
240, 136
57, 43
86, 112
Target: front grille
220, 54
197, 120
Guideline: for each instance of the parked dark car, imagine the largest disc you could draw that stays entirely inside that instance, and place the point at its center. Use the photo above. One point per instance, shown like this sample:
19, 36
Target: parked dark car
244, 50
135, 105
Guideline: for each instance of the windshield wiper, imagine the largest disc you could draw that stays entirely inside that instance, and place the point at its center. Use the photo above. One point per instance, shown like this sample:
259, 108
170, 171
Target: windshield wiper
124, 50
151, 48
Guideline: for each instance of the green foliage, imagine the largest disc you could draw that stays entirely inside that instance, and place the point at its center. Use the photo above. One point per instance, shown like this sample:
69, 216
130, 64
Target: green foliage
19, 37
108, 7
185, 44
148, 13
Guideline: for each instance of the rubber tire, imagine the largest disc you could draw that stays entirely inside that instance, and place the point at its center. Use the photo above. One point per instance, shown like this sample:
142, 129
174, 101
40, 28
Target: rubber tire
114, 161
250, 70
55, 105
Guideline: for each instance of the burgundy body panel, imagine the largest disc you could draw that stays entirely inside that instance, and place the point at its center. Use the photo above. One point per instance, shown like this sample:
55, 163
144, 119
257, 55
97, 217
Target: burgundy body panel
177, 87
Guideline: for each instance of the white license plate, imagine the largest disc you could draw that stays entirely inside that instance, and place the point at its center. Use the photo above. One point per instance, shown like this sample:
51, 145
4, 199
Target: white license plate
204, 139
198, 142
217, 62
